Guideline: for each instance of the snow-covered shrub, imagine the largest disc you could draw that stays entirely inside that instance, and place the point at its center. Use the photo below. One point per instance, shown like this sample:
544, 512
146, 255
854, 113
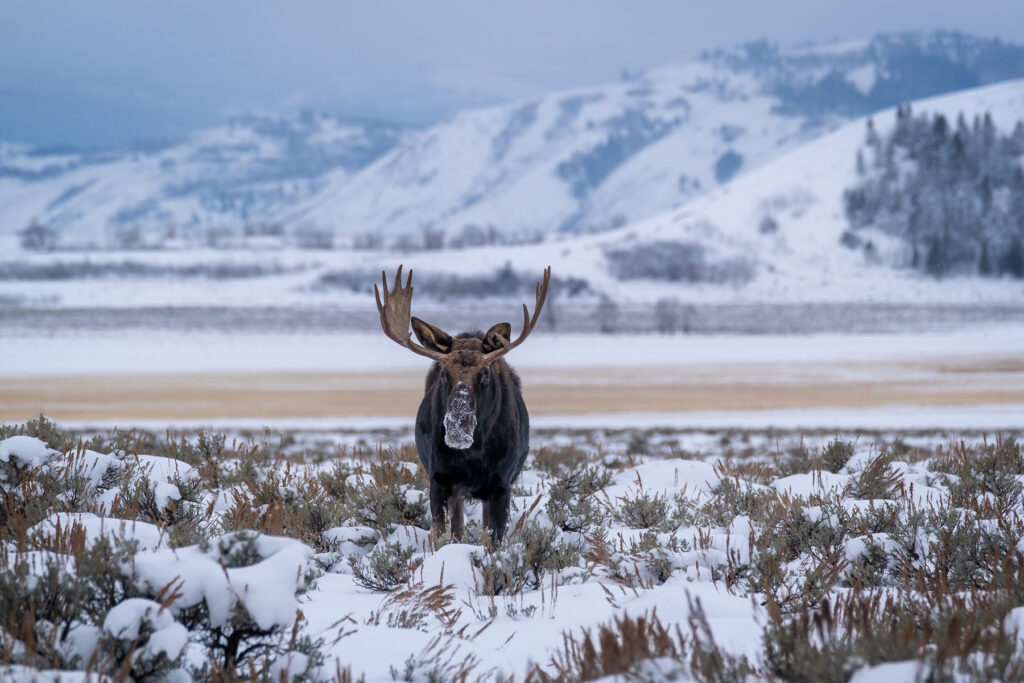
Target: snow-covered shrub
991, 471
571, 503
730, 499
676, 262
440, 661
386, 567
145, 641
384, 505
529, 553
36, 479
237, 593
54, 603
836, 454
643, 510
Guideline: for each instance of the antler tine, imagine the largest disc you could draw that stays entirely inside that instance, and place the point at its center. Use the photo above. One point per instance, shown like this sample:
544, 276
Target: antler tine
394, 307
398, 277
528, 321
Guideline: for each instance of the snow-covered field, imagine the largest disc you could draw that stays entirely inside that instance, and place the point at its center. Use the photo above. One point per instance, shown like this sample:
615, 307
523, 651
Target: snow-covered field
821, 441
707, 555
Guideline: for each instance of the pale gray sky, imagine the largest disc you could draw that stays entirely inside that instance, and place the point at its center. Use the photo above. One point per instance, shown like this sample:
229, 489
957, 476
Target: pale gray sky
89, 72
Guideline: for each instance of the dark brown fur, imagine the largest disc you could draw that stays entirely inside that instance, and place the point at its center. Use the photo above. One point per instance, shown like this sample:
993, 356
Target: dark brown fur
500, 438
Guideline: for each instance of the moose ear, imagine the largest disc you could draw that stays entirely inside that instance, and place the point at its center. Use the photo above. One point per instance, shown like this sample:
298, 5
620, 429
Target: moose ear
433, 338
493, 340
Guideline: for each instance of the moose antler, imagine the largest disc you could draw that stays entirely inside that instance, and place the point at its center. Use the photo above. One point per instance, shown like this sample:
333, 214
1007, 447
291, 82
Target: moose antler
395, 313
528, 322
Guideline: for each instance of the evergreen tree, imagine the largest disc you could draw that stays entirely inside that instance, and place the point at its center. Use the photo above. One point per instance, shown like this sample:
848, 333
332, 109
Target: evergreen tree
984, 261
1012, 260
935, 261
956, 195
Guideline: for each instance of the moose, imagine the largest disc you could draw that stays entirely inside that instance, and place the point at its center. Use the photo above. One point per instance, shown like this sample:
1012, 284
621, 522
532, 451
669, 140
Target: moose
472, 428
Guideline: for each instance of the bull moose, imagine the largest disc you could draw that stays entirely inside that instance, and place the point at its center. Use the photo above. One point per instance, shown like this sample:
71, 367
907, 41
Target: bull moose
472, 428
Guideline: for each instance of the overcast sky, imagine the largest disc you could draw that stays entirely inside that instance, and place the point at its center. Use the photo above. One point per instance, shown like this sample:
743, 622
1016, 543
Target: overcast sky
93, 73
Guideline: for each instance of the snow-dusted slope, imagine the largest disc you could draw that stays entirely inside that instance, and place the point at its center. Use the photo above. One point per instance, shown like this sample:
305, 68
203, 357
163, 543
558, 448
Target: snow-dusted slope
575, 160
580, 159
241, 174
803, 260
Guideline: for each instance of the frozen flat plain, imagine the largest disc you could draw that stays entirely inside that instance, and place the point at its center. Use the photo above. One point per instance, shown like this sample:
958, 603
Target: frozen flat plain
912, 379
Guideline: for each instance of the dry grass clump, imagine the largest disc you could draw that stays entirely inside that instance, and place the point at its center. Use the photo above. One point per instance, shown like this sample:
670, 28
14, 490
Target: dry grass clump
644, 648
945, 633
983, 477
877, 480
559, 460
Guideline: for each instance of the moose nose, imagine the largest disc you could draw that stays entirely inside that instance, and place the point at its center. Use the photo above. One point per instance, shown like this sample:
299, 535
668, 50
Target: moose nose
460, 419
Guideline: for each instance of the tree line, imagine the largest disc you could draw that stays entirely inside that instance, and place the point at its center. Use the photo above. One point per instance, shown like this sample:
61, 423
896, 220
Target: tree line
954, 193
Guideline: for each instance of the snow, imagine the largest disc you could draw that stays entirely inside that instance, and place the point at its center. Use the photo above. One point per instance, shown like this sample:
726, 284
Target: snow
104, 353
863, 78
149, 536
25, 451
890, 672
270, 580
266, 589
812, 483
138, 617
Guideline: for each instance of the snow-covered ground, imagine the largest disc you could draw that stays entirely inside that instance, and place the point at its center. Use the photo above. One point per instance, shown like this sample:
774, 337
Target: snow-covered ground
732, 534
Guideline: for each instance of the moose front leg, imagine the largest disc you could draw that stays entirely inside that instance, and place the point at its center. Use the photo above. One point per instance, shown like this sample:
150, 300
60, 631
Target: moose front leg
496, 515
439, 495
456, 513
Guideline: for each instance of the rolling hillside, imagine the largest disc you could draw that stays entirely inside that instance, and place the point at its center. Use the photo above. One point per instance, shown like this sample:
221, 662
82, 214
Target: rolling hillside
573, 161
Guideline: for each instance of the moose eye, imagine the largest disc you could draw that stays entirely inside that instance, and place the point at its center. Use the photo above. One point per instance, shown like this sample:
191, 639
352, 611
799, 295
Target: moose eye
485, 378
444, 380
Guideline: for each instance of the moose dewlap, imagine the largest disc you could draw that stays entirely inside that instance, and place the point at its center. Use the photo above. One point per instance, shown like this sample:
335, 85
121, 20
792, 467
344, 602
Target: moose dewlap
472, 428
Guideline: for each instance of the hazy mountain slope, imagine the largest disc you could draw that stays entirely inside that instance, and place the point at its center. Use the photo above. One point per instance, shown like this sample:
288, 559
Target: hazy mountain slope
803, 259
709, 252
575, 160
592, 157
243, 173
569, 160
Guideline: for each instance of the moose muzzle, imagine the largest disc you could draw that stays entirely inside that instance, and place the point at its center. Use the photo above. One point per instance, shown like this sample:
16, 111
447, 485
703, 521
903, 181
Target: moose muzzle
460, 419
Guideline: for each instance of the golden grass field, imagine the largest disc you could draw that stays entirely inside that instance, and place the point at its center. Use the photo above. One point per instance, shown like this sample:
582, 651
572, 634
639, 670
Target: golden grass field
952, 381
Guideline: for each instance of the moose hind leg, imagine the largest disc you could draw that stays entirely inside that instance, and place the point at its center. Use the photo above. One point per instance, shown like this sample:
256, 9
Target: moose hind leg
496, 515
439, 497
456, 513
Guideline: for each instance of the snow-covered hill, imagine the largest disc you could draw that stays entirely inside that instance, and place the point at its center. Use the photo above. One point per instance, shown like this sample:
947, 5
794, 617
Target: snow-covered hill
717, 247
712, 253
241, 174
577, 160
